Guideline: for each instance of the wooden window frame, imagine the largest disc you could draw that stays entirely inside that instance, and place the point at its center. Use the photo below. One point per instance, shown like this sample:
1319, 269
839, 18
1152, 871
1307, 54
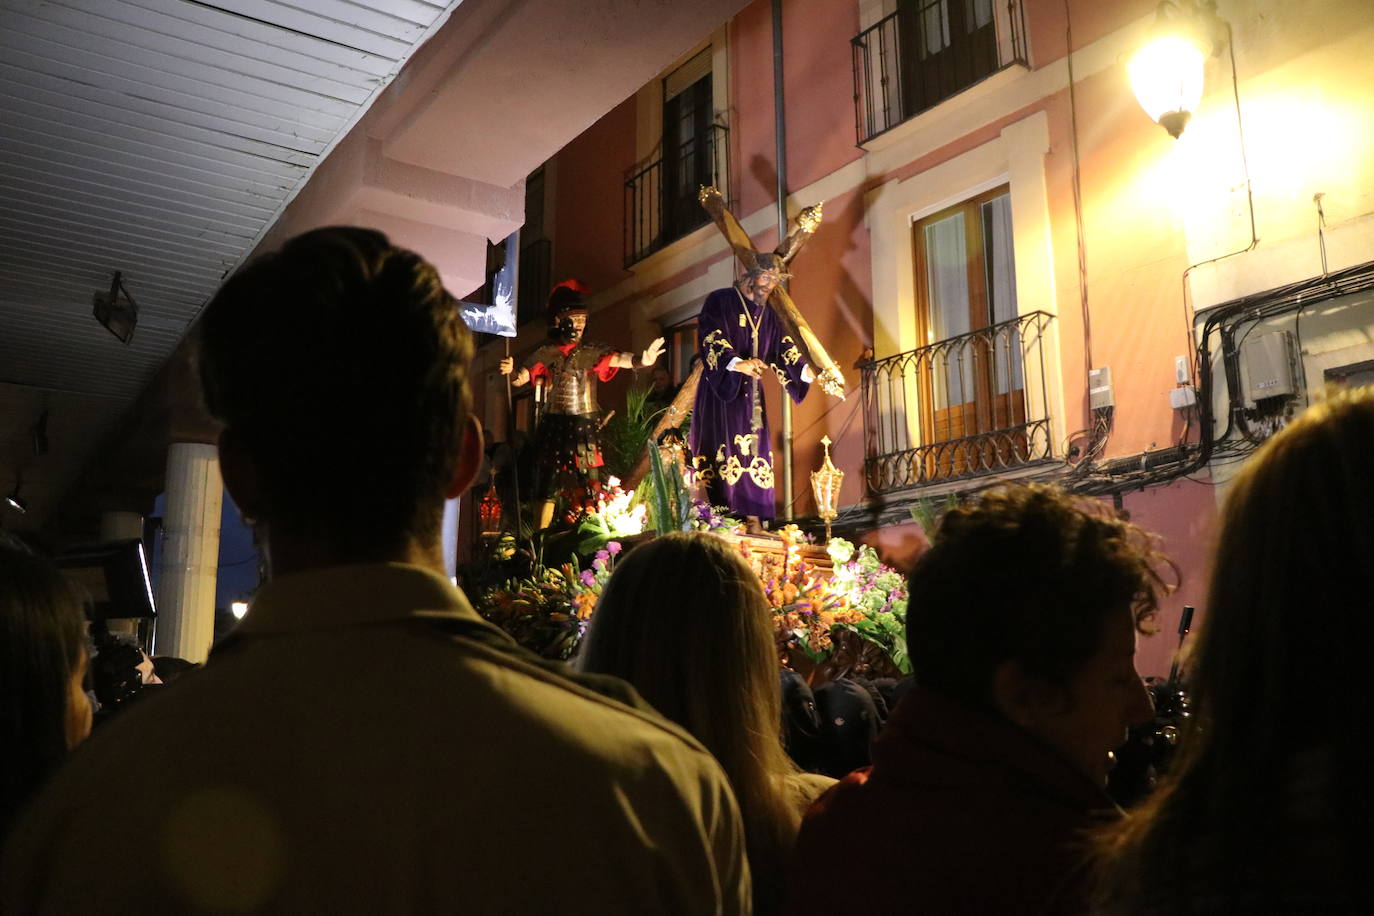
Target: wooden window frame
990, 411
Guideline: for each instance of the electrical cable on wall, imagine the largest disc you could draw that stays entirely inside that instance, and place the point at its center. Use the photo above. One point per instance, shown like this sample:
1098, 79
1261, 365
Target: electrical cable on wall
1189, 314
1078, 199
1223, 321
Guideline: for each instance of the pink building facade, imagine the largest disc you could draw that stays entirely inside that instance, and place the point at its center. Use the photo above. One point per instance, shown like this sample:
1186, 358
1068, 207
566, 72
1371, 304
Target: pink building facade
1016, 267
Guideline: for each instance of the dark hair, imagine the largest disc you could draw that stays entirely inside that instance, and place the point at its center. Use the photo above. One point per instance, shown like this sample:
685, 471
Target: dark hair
685, 620
42, 636
341, 362
1028, 574
1275, 768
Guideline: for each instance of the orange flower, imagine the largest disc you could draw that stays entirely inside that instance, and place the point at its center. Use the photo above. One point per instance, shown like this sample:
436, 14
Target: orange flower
584, 604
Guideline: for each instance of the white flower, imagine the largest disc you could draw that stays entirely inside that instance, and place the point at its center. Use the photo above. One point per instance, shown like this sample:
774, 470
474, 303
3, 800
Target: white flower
840, 550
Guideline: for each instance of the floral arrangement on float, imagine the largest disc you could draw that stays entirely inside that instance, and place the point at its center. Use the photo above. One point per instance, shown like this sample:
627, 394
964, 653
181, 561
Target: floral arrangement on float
715, 519
877, 593
814, 612
538, 611
851, 617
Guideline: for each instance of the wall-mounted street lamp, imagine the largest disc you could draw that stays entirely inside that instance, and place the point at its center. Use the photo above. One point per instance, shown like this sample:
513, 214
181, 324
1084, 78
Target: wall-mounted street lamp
1166, 72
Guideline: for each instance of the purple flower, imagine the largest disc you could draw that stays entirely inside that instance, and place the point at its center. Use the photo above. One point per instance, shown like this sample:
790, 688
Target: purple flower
603, 555
613, 548
588, 578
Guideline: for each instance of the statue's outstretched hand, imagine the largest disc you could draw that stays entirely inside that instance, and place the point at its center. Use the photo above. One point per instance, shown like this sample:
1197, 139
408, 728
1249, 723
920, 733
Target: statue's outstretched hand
750, 367
832, 383
652, 352
507, 365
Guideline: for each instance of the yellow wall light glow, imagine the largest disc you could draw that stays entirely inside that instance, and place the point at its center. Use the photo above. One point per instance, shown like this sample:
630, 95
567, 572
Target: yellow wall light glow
1166, 77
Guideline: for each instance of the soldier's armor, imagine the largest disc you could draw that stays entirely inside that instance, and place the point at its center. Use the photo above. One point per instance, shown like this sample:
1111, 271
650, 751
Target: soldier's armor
572, 386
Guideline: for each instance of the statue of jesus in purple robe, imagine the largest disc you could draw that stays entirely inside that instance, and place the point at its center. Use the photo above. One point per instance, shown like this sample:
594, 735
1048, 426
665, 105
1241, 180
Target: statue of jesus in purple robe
739, 338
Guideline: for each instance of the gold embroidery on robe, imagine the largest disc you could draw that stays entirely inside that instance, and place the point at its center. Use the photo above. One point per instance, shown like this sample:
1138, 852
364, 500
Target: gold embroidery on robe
704, 471
715, 344
791, 356
761, 472
731, 471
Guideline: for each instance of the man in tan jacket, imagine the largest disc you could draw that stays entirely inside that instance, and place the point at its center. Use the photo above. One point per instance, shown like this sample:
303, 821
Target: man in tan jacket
363, 742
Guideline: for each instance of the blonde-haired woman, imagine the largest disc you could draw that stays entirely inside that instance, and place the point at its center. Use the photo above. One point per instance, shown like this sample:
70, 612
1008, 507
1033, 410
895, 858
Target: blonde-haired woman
684, 619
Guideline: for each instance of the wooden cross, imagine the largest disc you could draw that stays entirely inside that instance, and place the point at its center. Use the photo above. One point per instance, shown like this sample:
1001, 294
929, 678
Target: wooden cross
828, 374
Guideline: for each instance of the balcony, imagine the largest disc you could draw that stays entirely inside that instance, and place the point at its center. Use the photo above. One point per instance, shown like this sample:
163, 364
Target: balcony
661, 198
927, 51
963, 407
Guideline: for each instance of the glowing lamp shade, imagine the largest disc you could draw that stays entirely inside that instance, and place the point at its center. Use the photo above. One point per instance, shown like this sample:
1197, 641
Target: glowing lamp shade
489, 510
825, 485
238, 609
1166, 77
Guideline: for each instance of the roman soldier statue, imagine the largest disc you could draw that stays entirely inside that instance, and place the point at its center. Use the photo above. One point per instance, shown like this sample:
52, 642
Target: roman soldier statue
565, 371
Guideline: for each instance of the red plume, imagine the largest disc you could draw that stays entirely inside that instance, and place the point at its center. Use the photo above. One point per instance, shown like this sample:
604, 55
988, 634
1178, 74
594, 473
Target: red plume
573, 284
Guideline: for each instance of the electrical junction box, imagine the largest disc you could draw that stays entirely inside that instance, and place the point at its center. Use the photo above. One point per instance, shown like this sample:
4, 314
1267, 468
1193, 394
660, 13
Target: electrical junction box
1180, 398
1267, 360
1100, 388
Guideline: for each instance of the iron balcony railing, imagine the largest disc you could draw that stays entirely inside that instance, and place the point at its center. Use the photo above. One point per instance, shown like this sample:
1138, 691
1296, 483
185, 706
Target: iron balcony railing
927, 51
661, 198
970, 405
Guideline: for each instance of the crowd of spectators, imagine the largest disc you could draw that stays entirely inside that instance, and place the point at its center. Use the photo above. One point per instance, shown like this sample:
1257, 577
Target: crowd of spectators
364, 742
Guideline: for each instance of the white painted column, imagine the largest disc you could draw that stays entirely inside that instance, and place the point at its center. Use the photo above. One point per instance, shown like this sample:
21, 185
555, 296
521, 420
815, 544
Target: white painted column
190, 552
450, 536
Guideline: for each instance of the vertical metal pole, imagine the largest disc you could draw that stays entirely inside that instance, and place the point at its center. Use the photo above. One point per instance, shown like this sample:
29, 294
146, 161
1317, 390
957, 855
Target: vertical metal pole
513, 265
780, 131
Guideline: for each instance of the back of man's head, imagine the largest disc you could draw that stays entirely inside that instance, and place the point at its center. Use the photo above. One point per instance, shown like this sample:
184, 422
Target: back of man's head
1026, 574
339, 365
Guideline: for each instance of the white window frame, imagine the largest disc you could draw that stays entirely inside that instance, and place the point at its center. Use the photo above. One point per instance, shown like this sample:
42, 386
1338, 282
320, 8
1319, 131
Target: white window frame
1015, 158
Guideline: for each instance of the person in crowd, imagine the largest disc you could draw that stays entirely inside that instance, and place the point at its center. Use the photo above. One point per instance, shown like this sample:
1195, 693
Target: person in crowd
120, 673
1021, 626
801, 724
662, 391
1268, 808
363, 742
685, 621
850, 719
43, 659
168, 668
